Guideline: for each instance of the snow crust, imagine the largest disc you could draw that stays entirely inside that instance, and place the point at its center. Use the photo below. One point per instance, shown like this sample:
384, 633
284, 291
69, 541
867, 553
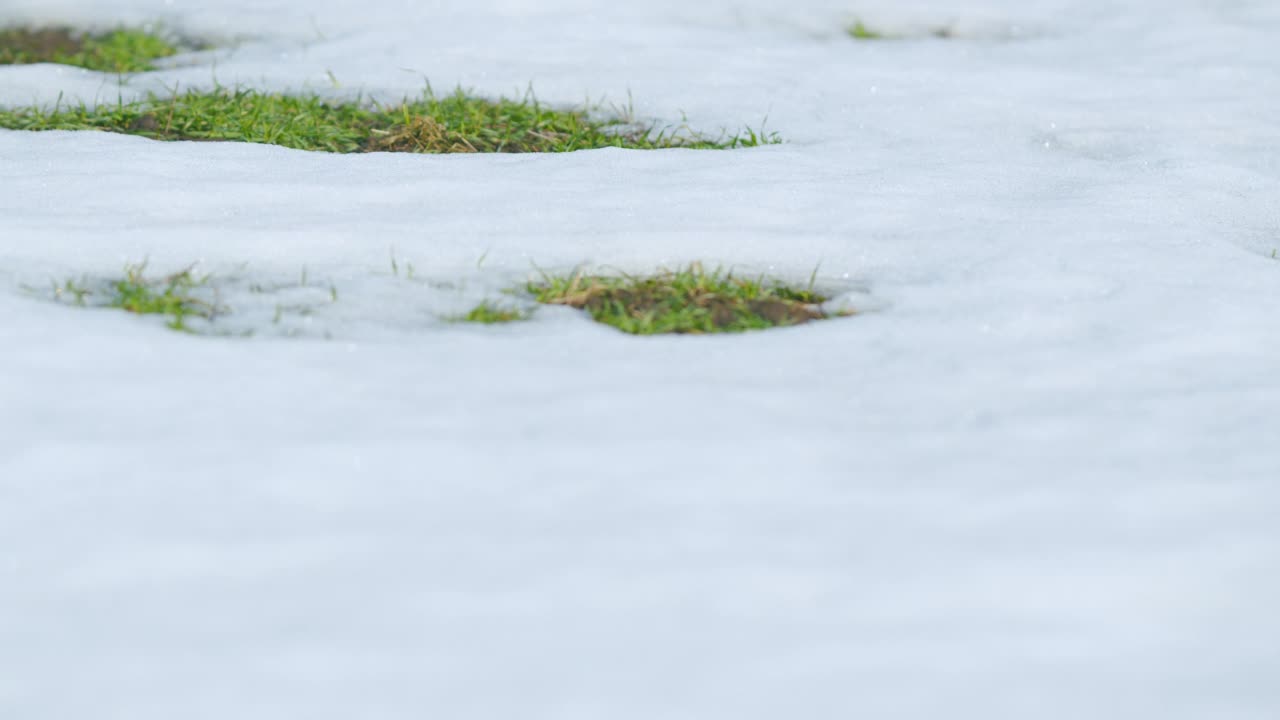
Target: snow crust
1036, 478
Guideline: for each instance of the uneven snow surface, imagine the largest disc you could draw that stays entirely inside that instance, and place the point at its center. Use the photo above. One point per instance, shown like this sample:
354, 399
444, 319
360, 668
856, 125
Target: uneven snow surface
1036, 478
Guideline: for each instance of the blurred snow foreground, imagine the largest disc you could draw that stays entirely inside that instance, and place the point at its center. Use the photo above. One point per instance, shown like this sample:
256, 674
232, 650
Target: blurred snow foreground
1036, 478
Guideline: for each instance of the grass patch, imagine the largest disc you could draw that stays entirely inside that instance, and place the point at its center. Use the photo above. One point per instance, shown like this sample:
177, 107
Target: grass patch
861, 31
117, 51
170, 296
453, 123
202, 303
691, 300
176, 297
488, 313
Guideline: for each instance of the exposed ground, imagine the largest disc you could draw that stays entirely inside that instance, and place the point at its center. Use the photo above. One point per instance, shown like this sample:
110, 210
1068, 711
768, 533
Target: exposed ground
116, 51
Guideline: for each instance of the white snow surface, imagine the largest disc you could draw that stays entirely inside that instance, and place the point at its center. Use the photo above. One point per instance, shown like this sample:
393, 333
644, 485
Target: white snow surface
1036, 478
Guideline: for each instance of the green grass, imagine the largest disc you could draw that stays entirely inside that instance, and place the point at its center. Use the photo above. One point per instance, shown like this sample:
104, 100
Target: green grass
489, 313
860, 31
174, 296
453, 123
171, 296
117, 51
234, 305
690, 300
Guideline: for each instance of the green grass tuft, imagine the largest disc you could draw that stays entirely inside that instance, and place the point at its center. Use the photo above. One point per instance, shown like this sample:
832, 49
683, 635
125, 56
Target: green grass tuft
449, 124
198, 303
171, 296
690, 300
117, 51
488, 313
860, 31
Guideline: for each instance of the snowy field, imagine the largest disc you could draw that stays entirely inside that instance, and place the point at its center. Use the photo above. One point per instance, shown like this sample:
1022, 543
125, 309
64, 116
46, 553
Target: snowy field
1036, 478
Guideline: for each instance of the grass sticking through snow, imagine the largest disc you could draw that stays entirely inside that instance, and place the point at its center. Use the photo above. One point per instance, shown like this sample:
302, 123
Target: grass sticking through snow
449, 124
173, 296
488, 313
117, 51
688, 301
194, 303
691, 300
861, 31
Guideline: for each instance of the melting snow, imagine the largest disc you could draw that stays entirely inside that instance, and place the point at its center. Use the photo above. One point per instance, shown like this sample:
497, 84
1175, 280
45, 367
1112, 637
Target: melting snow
1037, 478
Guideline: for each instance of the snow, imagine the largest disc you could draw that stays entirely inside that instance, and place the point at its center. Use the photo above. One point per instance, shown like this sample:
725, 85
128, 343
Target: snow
1036, 478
